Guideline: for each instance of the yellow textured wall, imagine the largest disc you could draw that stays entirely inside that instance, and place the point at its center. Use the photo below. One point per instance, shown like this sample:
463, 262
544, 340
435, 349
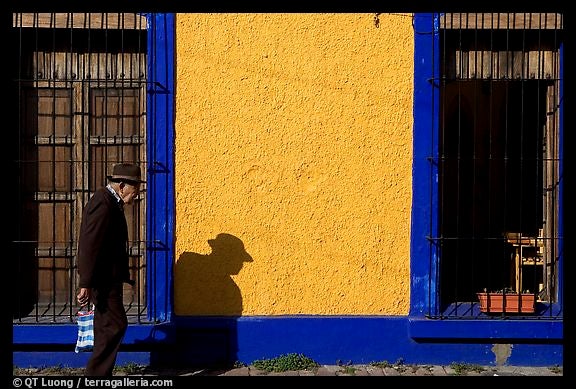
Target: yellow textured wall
293, 152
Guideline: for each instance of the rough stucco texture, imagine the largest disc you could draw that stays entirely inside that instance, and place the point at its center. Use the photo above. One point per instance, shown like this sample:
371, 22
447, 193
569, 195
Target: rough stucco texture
293, 156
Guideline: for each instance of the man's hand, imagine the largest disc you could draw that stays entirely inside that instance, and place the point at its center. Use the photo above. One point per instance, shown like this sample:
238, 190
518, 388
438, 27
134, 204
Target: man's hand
84, 296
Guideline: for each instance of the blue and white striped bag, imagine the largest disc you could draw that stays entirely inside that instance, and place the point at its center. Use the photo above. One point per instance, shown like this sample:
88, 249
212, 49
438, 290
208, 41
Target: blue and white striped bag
85, 341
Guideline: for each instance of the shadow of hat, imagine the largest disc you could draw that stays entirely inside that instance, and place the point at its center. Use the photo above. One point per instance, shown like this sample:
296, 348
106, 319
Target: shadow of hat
229, 245
126, 172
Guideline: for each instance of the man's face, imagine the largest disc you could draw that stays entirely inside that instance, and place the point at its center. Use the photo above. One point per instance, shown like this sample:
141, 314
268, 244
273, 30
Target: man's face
129, 191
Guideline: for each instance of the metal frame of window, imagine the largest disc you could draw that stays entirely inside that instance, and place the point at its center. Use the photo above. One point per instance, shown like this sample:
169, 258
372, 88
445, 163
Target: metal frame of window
97, 78
425, 298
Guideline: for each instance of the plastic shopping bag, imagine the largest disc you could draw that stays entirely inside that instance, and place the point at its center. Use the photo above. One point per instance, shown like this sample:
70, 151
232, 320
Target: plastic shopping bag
85, 341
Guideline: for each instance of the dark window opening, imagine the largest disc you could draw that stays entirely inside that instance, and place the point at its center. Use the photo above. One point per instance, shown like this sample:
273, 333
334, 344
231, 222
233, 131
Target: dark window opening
490, 181
498, 159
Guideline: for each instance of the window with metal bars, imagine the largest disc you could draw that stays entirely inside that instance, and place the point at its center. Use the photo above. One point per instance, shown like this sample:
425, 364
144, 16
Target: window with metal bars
81, 91
498, 164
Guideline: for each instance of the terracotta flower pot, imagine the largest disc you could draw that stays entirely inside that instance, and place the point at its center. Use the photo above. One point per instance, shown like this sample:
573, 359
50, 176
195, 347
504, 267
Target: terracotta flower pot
493, 302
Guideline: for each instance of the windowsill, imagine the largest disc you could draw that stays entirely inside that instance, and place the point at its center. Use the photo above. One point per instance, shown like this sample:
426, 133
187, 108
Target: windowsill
66, 334
510, 328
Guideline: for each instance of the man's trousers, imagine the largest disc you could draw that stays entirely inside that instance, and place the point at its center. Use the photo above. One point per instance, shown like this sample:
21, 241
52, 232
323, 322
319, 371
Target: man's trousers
110, 324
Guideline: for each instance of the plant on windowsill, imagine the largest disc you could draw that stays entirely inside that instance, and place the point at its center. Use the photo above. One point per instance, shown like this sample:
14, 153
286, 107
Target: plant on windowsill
506, 301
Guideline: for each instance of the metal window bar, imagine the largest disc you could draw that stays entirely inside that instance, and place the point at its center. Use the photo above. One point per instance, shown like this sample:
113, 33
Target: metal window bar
498, 165
81, 83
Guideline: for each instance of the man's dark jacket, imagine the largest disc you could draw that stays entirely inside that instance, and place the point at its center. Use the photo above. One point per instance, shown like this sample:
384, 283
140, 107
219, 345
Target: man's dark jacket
103, 241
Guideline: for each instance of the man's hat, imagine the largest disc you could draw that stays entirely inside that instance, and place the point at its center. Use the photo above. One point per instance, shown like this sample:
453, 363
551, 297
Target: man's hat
126, 172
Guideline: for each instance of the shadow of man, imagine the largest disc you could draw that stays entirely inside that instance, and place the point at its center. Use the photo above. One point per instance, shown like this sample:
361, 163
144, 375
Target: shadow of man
204, 287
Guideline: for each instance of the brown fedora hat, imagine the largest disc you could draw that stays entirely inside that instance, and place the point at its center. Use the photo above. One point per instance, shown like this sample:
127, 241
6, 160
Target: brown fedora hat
126, 172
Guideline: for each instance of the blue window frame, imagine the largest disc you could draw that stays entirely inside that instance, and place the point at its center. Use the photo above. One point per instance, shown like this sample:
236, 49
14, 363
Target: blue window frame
426, 305
160, 205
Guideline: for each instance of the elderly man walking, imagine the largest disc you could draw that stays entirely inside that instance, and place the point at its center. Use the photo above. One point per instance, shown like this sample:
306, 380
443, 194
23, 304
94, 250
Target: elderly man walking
103, 265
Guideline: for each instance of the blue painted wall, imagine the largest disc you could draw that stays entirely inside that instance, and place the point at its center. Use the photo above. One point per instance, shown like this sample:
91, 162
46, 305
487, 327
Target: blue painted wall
356, 339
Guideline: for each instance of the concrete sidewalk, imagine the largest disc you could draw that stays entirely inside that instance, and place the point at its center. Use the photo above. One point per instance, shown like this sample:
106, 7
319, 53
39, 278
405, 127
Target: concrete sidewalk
370, 370
322, 370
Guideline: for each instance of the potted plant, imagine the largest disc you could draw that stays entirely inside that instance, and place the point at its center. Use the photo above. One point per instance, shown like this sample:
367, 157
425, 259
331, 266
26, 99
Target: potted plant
506, 301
